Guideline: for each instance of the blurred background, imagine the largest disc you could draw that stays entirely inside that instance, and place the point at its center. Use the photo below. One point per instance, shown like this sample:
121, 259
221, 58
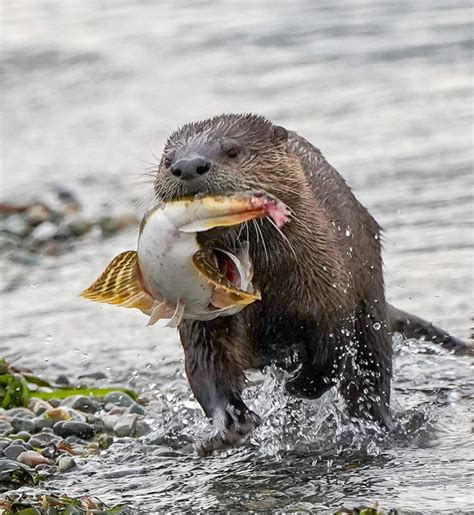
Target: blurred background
92, 88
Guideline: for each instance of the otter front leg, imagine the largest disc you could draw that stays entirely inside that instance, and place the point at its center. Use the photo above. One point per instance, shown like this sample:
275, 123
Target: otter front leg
215, 360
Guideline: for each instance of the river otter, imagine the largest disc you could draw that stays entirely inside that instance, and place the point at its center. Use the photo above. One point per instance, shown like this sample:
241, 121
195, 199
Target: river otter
323, 314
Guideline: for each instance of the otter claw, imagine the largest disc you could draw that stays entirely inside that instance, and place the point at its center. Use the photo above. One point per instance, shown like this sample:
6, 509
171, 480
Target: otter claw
229, 437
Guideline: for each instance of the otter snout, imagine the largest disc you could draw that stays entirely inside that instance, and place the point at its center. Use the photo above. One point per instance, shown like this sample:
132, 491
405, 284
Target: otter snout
190, 168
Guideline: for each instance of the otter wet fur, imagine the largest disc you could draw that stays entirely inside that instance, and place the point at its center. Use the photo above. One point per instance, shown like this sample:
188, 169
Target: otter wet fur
323, 315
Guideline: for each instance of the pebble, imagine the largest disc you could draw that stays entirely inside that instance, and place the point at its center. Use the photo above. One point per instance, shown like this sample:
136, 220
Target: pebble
37, 214
32, 458
136, 409
4, 443
131, 425
66, 463
17, 225
5, 428
22, 435
42, 423
82, 403
14, 450
73, 428
20, 412
119, 399
41, 407
105, 441
43, 439
110, 421
43, 232
22, 424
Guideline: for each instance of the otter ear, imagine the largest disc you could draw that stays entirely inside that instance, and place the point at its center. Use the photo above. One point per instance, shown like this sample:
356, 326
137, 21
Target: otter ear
279, 134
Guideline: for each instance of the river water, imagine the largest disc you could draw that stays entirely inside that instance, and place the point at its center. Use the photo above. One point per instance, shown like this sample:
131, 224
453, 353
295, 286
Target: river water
91, 89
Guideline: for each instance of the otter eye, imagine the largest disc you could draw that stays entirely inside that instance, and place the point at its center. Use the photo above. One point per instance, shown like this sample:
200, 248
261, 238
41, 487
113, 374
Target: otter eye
167, 162
232, 152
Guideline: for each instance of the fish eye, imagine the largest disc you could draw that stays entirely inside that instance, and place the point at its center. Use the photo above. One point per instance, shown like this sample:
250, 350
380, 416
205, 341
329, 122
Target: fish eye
167, 162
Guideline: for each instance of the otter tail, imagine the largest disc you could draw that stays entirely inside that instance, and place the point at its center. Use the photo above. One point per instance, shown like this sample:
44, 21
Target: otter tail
412, 326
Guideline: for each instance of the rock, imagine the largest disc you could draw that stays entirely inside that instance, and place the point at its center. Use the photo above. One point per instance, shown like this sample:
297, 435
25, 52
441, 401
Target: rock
37, 214
14, 450
115, 410
4, 443
73, 428
41, 406
55, 403
43, 232
131, 425
32, 458
20, 412
15, 472
105, 441
22, 424
42, 423
119, 399
5, 428
17, 225
136, 409
66, 463
93, 375
64, 413
62, 381
110, 421
43, 439
23, 435
82, 403
79, 226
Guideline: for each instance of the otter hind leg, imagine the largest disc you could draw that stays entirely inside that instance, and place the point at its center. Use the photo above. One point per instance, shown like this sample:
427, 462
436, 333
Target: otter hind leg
367, 369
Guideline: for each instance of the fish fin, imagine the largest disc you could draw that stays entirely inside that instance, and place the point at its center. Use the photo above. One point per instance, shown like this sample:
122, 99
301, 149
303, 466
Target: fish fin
177, 316
205, 224
119, 284
226, 293
156, 313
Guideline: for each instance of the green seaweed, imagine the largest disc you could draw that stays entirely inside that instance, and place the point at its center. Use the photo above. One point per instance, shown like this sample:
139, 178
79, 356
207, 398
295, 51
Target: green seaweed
17, 387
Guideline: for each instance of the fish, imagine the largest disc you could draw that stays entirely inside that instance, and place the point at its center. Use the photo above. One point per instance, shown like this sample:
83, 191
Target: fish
173, 276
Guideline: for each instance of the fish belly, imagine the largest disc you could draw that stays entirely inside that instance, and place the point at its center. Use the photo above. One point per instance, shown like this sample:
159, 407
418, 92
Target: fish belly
165, 260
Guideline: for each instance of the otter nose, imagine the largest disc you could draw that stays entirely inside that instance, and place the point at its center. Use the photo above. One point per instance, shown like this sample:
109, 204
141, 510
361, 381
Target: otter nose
187, 169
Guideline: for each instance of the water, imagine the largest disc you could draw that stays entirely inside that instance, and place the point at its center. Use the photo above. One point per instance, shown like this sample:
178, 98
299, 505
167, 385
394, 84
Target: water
92, 89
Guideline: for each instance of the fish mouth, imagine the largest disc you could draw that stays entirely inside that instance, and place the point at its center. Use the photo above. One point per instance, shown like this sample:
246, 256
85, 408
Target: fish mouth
227, 267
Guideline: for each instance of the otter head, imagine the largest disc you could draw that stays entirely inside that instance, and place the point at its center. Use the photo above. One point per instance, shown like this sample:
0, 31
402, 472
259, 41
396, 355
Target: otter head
228, 153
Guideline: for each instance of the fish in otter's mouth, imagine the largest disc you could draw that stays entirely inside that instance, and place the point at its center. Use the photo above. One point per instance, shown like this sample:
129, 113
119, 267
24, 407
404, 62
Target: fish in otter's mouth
172, 275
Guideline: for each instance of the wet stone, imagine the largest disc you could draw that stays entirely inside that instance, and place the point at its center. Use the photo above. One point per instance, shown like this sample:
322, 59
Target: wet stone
136, 409
14, 450
23, 435
119, 399
105, 441
32, 458
66, 463
20, 412
73, 428
82, 403
41, 407
43, 439
43, 232
5, 428
22, 424
131, 425
62, 381
4, 443
110, 421
42, 423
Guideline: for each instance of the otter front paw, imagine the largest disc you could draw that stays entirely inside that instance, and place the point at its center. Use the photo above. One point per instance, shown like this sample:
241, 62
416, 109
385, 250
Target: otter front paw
238, 426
